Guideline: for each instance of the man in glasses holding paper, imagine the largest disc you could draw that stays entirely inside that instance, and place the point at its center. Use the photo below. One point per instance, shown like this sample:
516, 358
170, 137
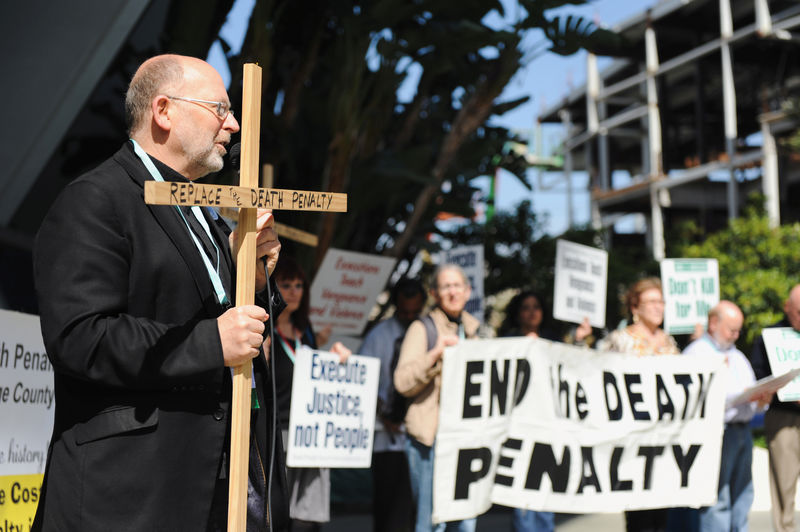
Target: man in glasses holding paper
735, 494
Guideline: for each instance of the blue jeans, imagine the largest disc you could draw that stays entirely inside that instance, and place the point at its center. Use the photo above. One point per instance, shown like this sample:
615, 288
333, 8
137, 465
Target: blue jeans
420, 468
735, 483
531, 521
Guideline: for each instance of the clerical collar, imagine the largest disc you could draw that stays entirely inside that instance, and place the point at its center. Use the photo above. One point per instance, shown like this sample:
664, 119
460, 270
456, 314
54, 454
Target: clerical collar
166, 171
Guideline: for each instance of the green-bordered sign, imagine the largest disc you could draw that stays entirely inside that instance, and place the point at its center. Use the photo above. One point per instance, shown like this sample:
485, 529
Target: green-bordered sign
691, 289
783, 353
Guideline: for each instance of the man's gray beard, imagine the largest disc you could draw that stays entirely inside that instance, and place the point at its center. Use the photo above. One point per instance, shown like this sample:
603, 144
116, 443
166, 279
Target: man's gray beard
209, 163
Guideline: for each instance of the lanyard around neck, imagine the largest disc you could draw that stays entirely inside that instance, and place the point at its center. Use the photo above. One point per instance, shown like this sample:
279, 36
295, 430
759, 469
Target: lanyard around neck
290, 351
213, 272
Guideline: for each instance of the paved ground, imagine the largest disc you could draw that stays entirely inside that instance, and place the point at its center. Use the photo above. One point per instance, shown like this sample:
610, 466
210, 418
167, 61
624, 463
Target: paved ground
499, 518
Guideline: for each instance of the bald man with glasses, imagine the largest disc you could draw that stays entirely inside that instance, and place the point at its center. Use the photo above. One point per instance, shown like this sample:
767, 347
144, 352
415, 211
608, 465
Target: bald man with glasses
137, 318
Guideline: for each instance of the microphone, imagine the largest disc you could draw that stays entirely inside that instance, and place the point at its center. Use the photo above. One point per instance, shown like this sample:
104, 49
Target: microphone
234, 155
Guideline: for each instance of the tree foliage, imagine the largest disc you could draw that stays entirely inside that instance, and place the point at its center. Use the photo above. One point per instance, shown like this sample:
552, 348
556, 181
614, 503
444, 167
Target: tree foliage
334, 117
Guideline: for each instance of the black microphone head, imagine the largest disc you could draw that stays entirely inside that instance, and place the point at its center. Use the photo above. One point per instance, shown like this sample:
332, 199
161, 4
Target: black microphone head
234, 154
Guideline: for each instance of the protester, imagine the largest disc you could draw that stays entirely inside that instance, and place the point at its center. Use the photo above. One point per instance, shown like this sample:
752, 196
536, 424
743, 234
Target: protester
735, 493
525, 317
781, 428
137, 321
309, 487
418, 377
392, 505
645, 302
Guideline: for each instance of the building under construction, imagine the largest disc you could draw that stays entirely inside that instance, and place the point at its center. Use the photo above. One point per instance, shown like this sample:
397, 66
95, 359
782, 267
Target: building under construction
696, 110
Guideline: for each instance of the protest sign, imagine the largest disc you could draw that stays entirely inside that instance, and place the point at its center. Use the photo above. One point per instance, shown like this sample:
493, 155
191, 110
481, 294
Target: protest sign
783, 352
470, 258
332, 416
691, 289
546, 426
580, 283
345, 289
27, 405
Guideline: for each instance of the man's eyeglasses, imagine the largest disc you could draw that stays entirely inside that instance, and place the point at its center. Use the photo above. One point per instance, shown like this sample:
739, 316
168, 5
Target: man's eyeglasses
221, 109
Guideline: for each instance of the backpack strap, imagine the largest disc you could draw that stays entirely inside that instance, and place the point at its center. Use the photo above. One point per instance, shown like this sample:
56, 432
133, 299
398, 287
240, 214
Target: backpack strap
430, 331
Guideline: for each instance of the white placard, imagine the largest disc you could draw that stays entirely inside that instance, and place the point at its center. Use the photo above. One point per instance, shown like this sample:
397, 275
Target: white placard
547, 426
769, 384
470, 258
345, 289
27, 406
332, 416
691, 289
580, 283
783, 352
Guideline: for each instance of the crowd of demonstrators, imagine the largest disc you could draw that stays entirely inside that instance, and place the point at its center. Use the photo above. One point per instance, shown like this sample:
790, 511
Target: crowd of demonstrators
418, 377
309, 487
137, 320
392, 504
781, 428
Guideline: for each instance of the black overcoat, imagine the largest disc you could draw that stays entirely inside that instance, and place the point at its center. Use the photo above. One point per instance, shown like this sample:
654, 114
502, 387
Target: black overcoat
128, 317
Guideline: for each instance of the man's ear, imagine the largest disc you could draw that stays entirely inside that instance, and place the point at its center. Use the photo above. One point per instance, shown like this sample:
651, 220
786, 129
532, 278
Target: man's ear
160, 106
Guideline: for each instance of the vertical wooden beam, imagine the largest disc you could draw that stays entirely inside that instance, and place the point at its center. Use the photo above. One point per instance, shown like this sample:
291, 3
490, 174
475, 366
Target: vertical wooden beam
245, 295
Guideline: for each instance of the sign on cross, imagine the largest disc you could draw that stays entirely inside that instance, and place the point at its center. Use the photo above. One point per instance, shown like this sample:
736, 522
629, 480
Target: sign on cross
248, 197
284, 231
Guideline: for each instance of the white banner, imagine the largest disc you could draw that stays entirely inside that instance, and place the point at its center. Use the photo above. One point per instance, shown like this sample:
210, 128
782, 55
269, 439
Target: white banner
332, 416
580, 283
345, 289
783, 352
547, 426
470, 258
691, 289
27, 406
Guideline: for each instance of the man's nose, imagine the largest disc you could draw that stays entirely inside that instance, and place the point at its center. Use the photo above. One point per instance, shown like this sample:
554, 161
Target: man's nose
230, 123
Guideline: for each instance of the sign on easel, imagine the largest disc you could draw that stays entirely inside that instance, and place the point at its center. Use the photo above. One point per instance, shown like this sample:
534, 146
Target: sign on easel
691, 289
580, 283
470, 259
27, 407
332, 417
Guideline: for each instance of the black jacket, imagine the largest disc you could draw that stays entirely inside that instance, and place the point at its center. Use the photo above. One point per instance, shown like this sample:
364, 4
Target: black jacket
128, 317
761, 368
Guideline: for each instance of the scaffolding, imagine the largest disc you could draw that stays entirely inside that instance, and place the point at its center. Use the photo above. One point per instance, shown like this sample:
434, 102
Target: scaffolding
694, 99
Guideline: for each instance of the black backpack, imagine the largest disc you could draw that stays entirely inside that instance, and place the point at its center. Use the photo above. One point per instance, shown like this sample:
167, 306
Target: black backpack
396, 405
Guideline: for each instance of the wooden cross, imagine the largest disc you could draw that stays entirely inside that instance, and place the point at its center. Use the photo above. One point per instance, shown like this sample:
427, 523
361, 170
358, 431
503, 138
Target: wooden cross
284, 231
248, 197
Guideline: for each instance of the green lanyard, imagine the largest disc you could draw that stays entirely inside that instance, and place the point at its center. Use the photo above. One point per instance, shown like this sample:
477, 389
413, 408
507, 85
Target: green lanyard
213, 272
286, 347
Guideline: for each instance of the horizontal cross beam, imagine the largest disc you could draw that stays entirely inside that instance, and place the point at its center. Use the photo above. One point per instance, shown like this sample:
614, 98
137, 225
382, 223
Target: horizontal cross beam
175, 193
